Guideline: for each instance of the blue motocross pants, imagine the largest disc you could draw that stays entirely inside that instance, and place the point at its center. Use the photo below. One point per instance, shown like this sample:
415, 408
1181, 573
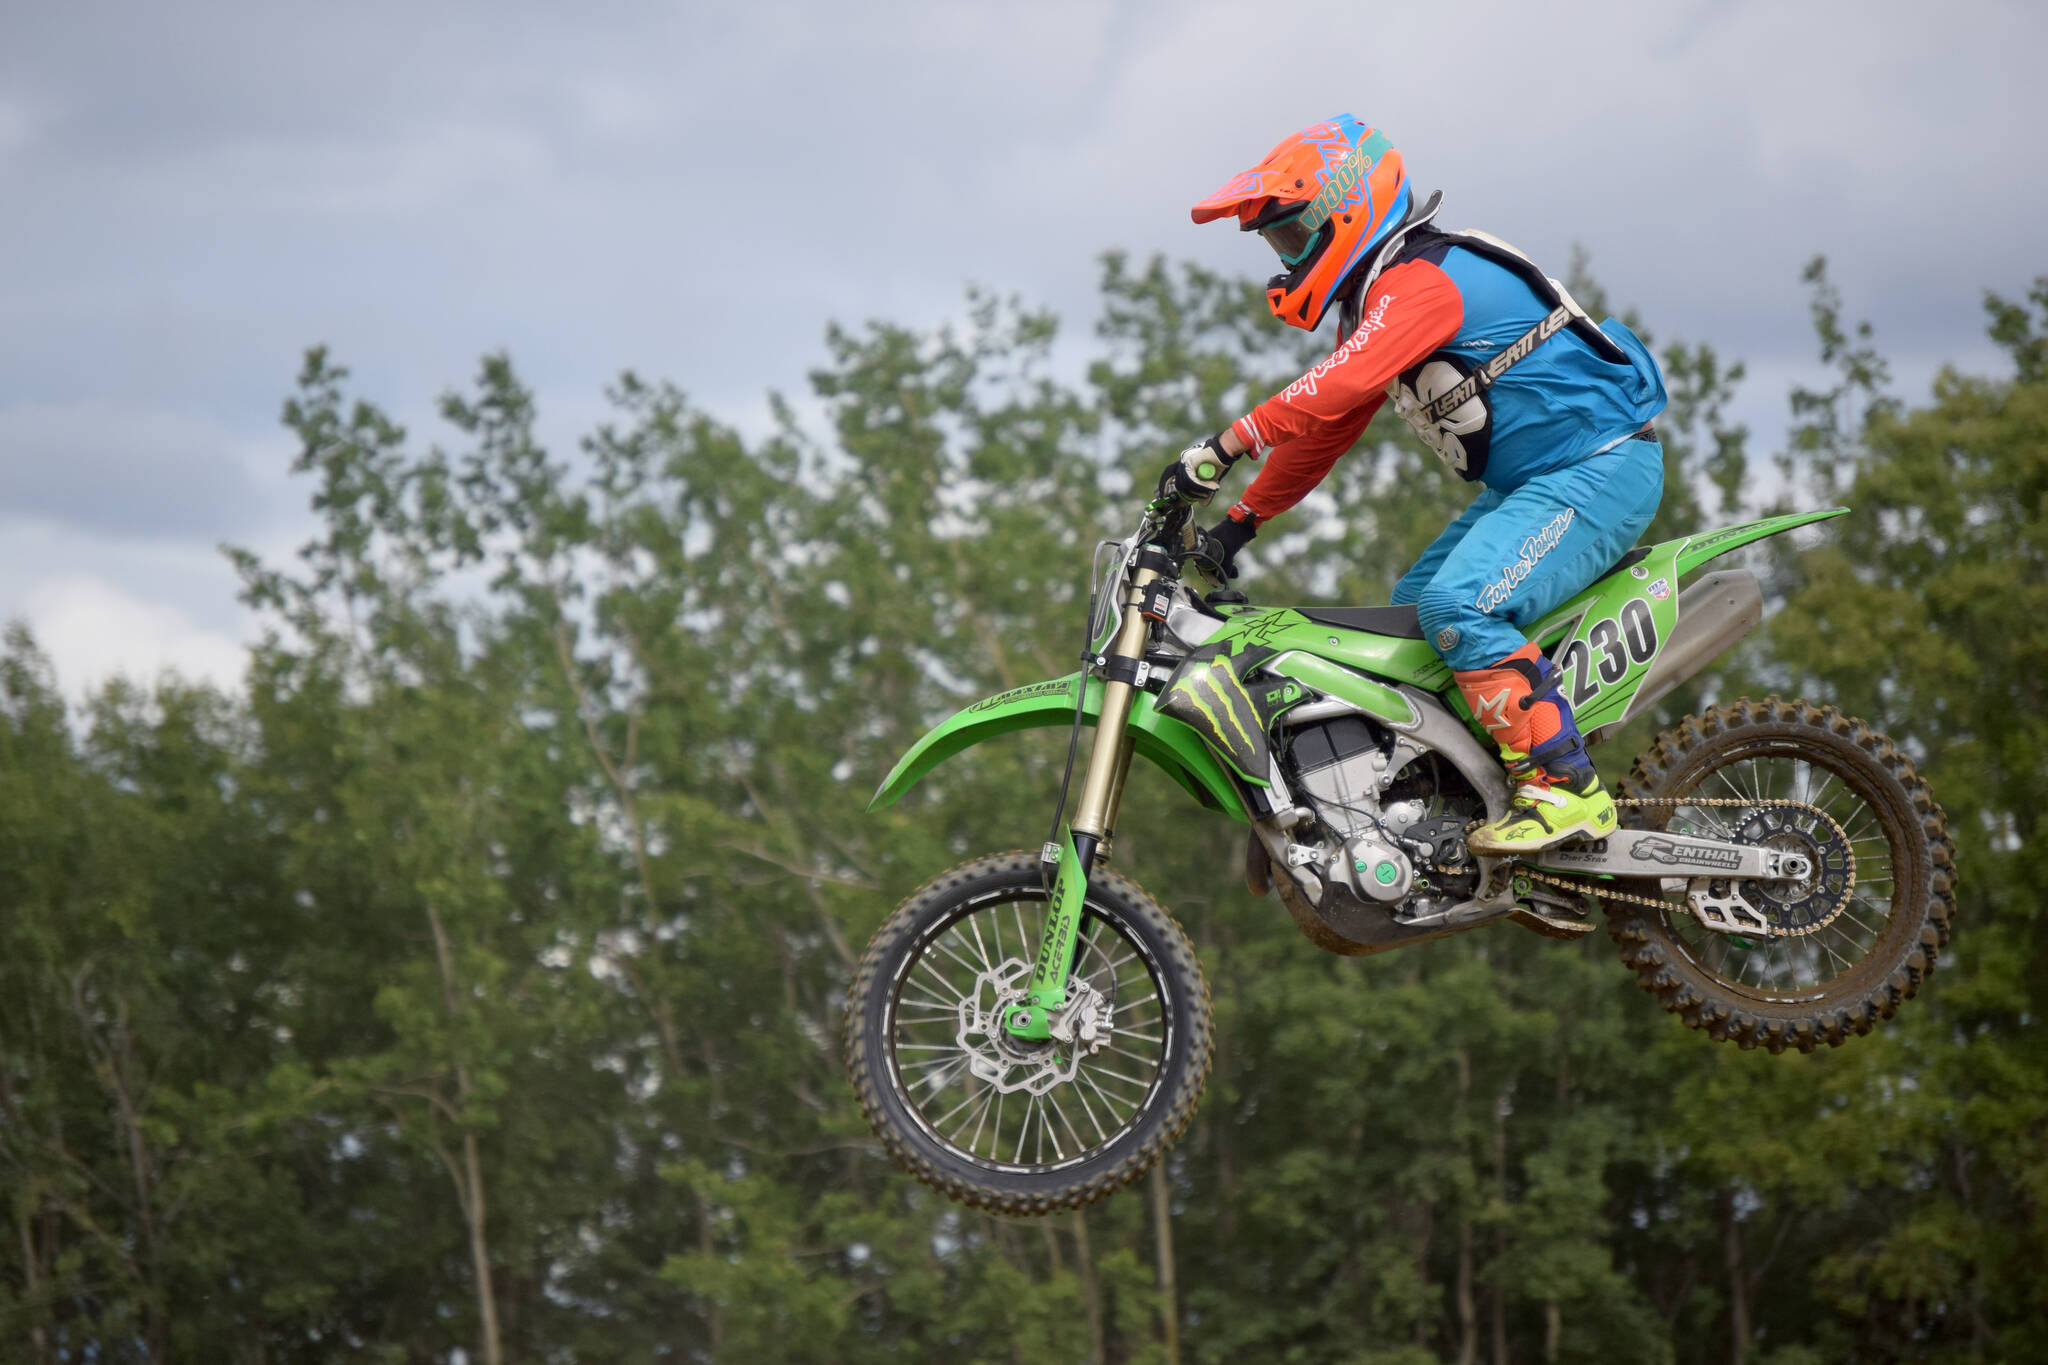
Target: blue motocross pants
1513, 556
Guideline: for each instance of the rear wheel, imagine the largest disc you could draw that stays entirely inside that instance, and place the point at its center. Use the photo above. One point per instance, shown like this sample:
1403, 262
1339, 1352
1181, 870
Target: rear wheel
1002, 1123
1850, 943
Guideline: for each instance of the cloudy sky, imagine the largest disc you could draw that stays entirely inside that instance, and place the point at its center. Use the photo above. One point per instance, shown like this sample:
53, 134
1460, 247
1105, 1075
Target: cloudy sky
193, 193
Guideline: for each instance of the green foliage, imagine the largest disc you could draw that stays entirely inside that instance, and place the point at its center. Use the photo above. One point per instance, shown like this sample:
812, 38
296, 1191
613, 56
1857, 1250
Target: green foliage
471, 980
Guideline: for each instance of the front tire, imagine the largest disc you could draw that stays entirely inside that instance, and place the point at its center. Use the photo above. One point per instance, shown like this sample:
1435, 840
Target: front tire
956, 944
1830, 982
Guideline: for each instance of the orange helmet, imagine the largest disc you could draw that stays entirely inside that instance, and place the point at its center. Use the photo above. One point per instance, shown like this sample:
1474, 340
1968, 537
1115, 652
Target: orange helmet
1322, 199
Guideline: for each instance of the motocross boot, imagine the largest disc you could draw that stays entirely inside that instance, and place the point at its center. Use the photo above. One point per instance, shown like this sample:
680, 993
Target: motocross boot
1558, 795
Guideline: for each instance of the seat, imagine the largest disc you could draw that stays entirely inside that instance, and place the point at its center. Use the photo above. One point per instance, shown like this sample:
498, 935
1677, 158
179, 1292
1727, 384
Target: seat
1398, 622
1627, 561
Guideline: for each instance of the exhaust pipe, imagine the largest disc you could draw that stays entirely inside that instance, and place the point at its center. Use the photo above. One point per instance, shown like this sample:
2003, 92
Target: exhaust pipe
1713, 614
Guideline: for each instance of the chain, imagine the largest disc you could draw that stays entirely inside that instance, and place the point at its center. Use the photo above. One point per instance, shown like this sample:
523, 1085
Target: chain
1607, 893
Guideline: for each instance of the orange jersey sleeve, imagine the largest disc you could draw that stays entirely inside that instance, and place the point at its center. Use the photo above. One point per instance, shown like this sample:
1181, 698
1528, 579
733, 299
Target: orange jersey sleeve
1410, 311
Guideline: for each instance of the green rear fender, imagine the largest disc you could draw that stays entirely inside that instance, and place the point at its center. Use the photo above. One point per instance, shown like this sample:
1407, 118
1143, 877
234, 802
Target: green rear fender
1607, 638
1162, 739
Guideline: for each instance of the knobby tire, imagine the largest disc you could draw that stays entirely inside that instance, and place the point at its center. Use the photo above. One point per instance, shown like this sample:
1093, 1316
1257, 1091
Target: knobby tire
1921, 857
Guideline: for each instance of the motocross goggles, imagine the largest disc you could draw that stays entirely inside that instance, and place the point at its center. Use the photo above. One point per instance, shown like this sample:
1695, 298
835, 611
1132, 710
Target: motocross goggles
1292, 239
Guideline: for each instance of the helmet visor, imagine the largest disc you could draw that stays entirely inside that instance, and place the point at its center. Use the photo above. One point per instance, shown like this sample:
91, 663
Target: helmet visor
1292, 240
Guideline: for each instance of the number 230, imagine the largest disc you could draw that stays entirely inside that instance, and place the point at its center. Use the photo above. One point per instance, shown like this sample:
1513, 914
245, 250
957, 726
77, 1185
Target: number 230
1632, 639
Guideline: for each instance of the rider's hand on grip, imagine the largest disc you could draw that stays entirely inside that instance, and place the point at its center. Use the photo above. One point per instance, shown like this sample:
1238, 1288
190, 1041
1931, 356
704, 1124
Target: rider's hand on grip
1197, 472
1214, 553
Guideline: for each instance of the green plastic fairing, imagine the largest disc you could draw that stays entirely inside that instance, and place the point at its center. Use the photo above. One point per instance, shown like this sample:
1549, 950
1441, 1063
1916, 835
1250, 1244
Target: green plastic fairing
1283, 628
1162, 739
1606, 638
1699, 549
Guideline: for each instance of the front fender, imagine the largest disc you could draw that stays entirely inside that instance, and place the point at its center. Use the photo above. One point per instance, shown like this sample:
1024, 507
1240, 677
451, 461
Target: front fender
1162, 739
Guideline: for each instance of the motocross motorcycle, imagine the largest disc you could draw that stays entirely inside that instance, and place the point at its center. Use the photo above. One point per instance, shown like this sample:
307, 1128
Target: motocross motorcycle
1030, 1031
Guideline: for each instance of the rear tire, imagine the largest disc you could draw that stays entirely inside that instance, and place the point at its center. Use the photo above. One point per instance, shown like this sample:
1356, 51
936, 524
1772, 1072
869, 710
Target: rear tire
1900, 934
879, 1059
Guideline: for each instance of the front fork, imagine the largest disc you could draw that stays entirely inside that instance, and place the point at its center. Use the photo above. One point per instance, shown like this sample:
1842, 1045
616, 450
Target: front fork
1087, 835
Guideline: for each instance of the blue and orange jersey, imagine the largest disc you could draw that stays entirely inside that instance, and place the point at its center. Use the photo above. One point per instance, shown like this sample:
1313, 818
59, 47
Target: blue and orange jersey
1425, 322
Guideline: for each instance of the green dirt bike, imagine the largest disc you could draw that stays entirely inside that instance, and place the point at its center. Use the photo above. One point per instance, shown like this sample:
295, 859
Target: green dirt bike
1030, 1031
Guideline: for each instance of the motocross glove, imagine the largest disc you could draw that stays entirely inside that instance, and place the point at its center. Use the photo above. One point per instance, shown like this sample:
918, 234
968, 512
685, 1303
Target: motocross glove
1197, 472
1215, 552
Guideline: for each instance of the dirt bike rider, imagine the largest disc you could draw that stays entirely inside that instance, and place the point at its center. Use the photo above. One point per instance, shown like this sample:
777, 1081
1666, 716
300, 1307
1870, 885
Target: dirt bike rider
1507, 380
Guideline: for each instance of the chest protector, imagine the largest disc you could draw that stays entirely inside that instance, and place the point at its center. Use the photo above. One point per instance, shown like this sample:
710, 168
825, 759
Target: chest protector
1445, 398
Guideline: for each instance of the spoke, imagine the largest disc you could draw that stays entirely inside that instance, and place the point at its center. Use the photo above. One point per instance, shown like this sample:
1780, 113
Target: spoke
1833, 954
979, 946
1118, 1075
1708, 817
1017, 909
940, 944
1728, 785
926, 963
1052, 1103
930, 1062
1110, 1105
1024, 1132
1138, 1057
1089, 1110
940, 1121
939, 1080
974, 1142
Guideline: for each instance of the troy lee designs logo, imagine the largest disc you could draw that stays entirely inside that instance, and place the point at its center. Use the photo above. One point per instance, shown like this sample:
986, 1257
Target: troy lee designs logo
1373, 321
1533, 550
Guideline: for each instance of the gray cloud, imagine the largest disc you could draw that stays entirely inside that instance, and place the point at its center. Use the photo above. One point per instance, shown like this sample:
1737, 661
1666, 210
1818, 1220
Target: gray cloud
137, 475
197, 192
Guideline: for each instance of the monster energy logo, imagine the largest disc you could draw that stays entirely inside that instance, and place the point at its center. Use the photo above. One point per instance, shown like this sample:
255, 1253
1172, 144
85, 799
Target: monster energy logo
1227, 718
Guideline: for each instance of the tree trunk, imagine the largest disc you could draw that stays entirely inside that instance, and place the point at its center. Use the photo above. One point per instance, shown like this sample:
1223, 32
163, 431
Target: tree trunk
1422, 1270
471, 1187
479, 1250
1497, 1288
1468, 1311
30, 1256
1091, 1290
1162, 1226
1553, 1330
1738, 1280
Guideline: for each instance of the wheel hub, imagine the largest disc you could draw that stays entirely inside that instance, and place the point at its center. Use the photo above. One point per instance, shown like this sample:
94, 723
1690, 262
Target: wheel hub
1801, 905
995, 1055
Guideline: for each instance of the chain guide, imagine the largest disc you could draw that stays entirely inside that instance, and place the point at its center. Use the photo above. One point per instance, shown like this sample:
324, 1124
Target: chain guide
1775, 917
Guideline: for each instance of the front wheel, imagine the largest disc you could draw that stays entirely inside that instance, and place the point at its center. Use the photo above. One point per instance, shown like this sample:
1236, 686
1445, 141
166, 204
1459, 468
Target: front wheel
1840, 950
1006, 1124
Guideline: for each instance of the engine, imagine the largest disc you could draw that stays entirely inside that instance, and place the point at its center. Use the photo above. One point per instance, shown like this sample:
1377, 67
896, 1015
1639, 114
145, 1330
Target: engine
1392, 820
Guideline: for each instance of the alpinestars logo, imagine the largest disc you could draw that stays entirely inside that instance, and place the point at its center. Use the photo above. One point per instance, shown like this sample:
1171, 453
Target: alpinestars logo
1533, 550
1373, 321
